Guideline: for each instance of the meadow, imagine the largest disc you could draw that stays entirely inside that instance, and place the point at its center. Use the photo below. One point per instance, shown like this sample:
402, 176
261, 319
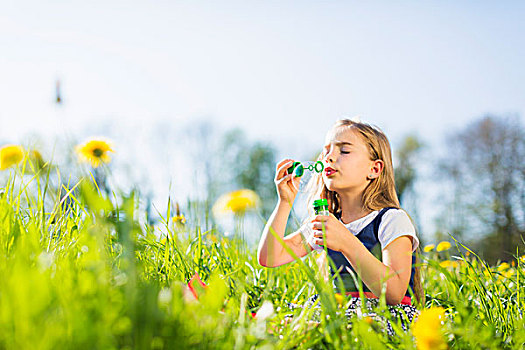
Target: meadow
82, 268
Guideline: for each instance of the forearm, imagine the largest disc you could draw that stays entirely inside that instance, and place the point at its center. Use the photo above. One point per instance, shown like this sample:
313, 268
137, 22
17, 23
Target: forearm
373, 272
270, 249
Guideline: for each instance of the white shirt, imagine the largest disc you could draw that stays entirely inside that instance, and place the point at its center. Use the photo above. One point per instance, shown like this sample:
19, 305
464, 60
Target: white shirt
394, 223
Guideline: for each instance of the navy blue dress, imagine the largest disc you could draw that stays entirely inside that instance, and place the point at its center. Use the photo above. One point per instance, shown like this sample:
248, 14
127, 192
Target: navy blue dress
369, 237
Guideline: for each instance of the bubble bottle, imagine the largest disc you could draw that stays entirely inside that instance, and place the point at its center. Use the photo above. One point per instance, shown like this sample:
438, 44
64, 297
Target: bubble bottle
306, 171
321, 207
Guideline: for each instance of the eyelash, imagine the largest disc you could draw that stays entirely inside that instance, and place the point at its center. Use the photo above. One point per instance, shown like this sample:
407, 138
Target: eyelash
325, 152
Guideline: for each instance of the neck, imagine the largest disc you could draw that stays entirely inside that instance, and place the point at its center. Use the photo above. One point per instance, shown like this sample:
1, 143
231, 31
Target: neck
351, 207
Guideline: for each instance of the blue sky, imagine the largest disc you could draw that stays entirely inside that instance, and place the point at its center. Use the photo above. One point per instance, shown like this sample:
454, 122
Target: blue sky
283, 71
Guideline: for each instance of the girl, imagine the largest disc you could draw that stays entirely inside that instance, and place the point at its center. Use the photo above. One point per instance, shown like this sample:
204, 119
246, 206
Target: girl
366, 232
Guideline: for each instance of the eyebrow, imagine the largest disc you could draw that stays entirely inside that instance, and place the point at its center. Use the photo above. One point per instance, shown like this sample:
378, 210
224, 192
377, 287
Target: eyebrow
341, 143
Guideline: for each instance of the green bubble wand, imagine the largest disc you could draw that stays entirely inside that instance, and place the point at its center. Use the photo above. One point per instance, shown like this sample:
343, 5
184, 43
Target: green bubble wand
306, 171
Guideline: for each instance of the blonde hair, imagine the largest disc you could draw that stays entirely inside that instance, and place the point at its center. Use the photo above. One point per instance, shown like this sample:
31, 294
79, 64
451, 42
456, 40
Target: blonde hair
380, 192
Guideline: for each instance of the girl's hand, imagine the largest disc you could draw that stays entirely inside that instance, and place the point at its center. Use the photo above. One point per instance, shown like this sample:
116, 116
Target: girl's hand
335, 233
285, 182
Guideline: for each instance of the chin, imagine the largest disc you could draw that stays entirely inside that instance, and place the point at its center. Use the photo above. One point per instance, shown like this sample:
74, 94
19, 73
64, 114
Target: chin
330, 185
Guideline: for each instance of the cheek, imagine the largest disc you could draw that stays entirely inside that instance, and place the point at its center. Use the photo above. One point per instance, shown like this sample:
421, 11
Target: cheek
358, 168
363, 164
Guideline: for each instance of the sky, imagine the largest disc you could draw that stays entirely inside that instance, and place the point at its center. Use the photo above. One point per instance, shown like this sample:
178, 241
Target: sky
282, 71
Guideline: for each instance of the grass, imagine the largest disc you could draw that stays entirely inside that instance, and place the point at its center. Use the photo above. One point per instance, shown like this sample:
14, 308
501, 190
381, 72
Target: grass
81, 269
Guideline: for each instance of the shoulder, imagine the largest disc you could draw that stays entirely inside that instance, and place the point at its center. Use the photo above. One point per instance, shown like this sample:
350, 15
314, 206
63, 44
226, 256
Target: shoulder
396, 223
397, 217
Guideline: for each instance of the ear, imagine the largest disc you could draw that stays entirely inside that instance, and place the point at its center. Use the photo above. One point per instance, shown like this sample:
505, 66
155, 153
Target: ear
376, 169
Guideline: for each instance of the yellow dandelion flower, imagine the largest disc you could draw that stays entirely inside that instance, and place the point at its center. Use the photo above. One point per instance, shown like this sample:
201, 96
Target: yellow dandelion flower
36, 159
179, 218
446, 263
503, 266
508, 273
35, 156
339, 299
237, 202
94, 152
10, 155
428, 329
442, 246
429, 248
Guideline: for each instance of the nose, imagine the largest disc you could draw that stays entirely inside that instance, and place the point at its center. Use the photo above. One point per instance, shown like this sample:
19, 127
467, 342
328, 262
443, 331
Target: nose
329, 156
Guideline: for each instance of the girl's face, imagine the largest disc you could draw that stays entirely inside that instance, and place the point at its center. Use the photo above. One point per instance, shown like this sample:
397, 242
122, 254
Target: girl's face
347, 162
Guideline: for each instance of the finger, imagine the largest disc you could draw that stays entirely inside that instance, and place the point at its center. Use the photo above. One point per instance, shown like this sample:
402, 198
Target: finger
282, 167
320, 218
319, 241
282, 176
285, 178
291, 186
287, 181
319, 233
317, 226
282, 163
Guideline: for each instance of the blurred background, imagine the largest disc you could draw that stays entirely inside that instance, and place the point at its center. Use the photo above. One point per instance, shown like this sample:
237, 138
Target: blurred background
201, 98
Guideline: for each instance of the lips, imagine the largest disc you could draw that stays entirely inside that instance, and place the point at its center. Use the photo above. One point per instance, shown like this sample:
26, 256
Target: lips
329, 171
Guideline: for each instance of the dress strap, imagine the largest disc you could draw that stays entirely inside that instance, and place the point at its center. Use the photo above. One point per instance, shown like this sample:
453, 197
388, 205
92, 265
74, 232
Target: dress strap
377, 221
